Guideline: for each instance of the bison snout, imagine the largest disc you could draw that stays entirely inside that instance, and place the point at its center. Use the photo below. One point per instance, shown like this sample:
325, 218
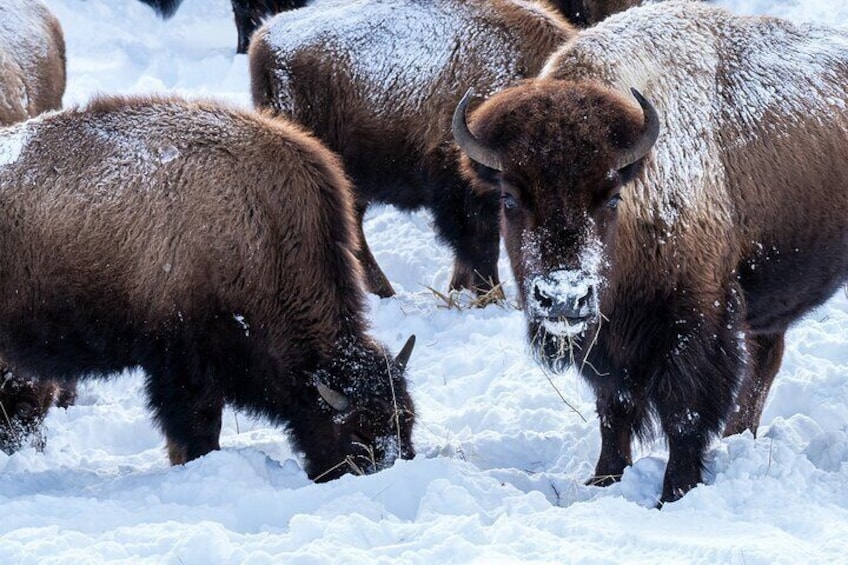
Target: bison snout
563, 300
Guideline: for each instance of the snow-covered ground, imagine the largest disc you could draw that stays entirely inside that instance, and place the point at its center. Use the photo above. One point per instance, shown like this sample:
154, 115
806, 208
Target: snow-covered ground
502, 459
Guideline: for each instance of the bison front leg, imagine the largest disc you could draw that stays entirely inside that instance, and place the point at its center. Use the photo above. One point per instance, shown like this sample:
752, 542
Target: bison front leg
188, 413
693, 400
766, 354
469, 223
619, 416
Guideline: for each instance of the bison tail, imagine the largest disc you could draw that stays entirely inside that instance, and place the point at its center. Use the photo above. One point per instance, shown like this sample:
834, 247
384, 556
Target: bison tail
165, 8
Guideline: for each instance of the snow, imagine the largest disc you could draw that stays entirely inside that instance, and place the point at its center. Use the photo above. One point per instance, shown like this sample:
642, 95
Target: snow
502, 453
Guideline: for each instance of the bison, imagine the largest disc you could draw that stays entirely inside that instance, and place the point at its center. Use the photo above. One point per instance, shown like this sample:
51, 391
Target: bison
248, 14
32, 60
377, 82
672, 199
214, 249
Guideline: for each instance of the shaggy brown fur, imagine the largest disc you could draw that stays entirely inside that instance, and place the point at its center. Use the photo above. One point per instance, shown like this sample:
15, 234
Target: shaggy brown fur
346, 76
734, 230
213, 248
32, 61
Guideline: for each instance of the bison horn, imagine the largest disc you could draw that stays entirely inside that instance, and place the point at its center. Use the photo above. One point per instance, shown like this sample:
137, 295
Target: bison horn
403, 357
649, 136
333, 397
466, 141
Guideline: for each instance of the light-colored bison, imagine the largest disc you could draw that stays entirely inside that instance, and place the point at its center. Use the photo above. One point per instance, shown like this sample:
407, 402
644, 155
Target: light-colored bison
213, 248
664, 243
32, 60
377, 81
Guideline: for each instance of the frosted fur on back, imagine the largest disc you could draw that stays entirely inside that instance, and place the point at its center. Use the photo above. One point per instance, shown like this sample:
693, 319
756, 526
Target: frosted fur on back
712, 76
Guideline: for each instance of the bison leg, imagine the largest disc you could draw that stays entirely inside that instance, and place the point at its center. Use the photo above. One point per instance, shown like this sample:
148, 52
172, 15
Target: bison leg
766, 354
693, 400
188, 412
619, 418
468, 222
244, 25
375, 280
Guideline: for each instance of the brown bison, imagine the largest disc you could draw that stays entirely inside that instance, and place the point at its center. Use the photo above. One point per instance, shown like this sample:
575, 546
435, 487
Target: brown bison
662, 244
213, 248
377, 82
32, 60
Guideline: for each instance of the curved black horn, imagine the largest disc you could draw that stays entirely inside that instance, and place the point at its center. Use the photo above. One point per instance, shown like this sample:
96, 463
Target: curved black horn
649, 136
403, 357
466, 141
332, 397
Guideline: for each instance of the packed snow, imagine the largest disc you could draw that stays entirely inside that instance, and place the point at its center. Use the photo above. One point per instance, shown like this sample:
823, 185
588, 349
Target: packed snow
503, 447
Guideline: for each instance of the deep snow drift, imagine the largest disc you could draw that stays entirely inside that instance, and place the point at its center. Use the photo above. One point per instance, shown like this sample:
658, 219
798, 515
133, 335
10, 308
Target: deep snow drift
502, 457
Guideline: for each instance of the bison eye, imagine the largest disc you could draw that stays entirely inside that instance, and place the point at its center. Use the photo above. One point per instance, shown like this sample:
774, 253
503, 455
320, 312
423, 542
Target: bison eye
510, 202
24, 408
613, 202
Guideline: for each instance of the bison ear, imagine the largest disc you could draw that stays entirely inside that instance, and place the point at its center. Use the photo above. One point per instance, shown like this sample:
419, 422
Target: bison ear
332, 397
403, 357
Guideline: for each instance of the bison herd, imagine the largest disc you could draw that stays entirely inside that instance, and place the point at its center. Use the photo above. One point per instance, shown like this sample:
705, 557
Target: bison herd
666, 183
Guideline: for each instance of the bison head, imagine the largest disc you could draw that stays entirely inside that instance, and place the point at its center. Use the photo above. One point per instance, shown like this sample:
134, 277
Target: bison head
23, 405
560, 155
363, 422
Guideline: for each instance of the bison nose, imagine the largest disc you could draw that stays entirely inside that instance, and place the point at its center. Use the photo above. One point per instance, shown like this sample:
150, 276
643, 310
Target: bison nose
573, 302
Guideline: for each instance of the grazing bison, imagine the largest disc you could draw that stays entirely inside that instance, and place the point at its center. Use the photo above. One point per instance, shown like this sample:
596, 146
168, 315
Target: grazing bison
663, 243
249, 14
377, 81
214, 249
32, 60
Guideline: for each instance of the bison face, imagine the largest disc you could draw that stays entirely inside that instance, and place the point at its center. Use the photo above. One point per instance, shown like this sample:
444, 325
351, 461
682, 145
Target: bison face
364, 418
23, 405
560, 154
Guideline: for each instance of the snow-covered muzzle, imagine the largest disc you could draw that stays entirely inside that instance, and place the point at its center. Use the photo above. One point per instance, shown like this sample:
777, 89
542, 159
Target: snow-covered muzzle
562, 304
563, 301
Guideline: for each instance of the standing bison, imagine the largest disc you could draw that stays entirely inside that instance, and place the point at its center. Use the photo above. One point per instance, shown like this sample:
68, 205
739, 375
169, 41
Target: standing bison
215, 250
664, 243
377, 81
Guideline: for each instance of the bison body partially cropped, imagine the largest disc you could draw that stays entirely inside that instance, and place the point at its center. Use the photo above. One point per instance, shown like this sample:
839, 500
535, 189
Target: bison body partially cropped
32, 60
665, 238
377, 82
214, 249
